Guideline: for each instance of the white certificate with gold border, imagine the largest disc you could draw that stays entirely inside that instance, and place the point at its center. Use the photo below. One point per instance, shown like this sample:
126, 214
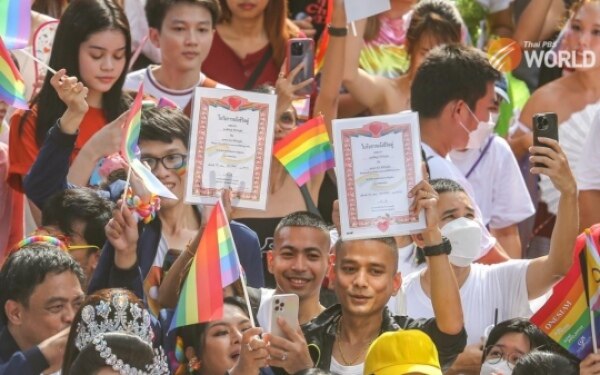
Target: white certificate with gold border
231, 142
378, 161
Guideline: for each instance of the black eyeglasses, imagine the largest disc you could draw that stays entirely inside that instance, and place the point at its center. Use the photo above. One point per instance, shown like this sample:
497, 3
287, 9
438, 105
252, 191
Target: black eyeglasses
287, 120
494, 354
173, 161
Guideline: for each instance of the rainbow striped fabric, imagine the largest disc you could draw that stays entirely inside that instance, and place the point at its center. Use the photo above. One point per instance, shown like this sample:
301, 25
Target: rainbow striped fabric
306, 151
12, 86
131, 129
566, 315
214, 266
15, 23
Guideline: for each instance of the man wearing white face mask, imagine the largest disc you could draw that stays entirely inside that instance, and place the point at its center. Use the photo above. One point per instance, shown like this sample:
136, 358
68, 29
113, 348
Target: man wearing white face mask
493, 293
453, 91
492, 170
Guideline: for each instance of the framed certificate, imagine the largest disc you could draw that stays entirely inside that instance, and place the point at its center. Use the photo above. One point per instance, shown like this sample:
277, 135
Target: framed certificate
378, 161
231, 142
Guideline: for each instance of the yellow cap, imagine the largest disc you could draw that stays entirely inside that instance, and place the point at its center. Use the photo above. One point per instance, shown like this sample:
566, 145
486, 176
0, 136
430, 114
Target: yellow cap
402, 352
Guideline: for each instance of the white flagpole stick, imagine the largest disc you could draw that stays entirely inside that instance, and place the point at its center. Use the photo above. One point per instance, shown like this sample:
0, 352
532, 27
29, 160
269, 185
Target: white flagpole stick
246, 298
42, 63
353, 26
137, 52
124, 199
594, 340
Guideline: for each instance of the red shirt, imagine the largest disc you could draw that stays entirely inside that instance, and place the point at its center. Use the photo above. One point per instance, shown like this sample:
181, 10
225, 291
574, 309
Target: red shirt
224, 66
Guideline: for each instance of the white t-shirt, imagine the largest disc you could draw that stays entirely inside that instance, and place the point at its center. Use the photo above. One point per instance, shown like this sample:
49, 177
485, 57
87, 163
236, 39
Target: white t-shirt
587, 171
493, 6
499, 188
263, 311
407, 264
152, 87
337, 369
501, 286
442, 167
138, 25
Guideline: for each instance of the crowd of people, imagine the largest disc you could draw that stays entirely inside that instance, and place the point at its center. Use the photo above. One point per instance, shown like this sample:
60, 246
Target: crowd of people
93, 263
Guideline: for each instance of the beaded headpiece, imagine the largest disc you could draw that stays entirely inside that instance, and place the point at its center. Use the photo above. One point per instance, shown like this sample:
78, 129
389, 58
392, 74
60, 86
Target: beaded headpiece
112, 317
159, 364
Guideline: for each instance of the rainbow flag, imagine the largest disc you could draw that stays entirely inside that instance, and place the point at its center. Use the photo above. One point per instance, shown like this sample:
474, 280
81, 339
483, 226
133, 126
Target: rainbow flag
15, 23
131, 129
12, 86
214, 266
590, 264
566, 316
306, 151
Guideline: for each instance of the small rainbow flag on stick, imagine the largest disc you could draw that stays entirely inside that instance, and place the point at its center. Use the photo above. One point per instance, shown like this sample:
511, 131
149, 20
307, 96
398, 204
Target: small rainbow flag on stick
131, 129
566, 317
15, 23
214, 266
12, 86
306, 151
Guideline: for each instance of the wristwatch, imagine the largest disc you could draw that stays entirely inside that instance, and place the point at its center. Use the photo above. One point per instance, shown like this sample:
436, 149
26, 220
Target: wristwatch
337, 31
444, 248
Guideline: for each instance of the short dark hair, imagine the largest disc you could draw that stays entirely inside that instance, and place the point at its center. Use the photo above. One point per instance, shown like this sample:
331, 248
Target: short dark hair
438, 18
445, 185
129, 348
164, 125
79, 204
27, 267
388, 241
450, 72
303, 219
544, 363
156, 10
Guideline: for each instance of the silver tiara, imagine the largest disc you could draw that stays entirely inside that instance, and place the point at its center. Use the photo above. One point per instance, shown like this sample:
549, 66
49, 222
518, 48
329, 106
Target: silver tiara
159, 364
96, 320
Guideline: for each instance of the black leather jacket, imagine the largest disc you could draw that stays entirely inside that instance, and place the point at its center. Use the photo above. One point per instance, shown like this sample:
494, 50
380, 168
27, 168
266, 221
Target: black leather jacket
320, 335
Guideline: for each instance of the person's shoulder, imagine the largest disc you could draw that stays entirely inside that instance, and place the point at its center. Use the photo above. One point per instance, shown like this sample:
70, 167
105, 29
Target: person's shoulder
243, 230
546, 98
322, 321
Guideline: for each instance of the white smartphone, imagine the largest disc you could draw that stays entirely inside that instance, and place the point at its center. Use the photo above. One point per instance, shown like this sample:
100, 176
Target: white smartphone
284, 306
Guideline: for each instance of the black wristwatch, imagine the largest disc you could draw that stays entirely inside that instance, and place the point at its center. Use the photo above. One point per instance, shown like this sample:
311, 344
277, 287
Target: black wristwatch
337, 31
444, 248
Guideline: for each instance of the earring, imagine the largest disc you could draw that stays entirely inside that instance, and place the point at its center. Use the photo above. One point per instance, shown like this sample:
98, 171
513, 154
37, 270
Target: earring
193, 365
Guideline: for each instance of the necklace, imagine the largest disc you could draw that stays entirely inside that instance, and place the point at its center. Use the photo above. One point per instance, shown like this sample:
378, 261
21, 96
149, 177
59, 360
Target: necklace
339, 339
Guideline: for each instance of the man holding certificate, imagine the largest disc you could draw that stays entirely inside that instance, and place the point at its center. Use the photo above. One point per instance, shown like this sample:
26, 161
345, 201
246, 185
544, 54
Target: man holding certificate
366, 276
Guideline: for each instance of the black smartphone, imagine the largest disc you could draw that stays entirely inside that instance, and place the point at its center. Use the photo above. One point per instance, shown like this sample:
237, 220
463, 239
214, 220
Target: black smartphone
544, 125
302, 51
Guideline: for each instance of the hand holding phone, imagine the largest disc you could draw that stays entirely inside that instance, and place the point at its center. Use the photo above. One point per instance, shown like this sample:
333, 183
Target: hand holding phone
300, 51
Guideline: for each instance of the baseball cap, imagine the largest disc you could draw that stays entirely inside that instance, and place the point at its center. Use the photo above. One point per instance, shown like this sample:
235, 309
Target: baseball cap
401, 352
501, 88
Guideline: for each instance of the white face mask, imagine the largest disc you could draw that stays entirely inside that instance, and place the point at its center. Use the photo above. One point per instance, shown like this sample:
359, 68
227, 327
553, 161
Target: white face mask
465, 237
500, 368
494, 116
478, 136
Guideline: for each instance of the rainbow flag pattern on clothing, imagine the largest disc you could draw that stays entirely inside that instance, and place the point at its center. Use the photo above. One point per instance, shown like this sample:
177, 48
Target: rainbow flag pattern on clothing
15, 23
306, 151
131, 129
12, 86
214, 266
566, 315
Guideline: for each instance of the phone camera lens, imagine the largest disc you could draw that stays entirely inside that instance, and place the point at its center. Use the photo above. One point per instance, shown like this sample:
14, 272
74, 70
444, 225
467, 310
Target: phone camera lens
297, 49
542, 123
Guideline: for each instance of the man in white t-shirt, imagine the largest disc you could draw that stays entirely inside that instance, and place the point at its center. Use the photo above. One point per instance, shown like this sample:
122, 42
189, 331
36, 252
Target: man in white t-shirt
587, 173
183, 30
298, 261
453, 91
499, 187
493, 293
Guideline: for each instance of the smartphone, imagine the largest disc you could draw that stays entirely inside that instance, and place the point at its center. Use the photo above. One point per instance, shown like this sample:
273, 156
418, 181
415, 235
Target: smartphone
544, 125
302, 51
284, 306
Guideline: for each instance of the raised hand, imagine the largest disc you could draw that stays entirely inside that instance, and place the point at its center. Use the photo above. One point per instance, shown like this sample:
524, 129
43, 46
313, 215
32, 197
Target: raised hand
72, 92
554, 165
426, 199
289, 352
590, 365
306, 26
285, 87
53, 349
107, 140
253, 353
122, 232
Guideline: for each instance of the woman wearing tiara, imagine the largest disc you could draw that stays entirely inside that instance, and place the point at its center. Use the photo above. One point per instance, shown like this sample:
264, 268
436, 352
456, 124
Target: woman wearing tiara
576, 100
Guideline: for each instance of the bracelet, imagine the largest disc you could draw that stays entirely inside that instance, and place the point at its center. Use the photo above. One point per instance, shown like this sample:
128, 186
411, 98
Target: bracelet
141, 210
337, 31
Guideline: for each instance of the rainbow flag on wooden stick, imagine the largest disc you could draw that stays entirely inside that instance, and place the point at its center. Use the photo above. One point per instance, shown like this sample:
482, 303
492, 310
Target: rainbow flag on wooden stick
12, 86
306, 151
566, 317
15, 23
214, 266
